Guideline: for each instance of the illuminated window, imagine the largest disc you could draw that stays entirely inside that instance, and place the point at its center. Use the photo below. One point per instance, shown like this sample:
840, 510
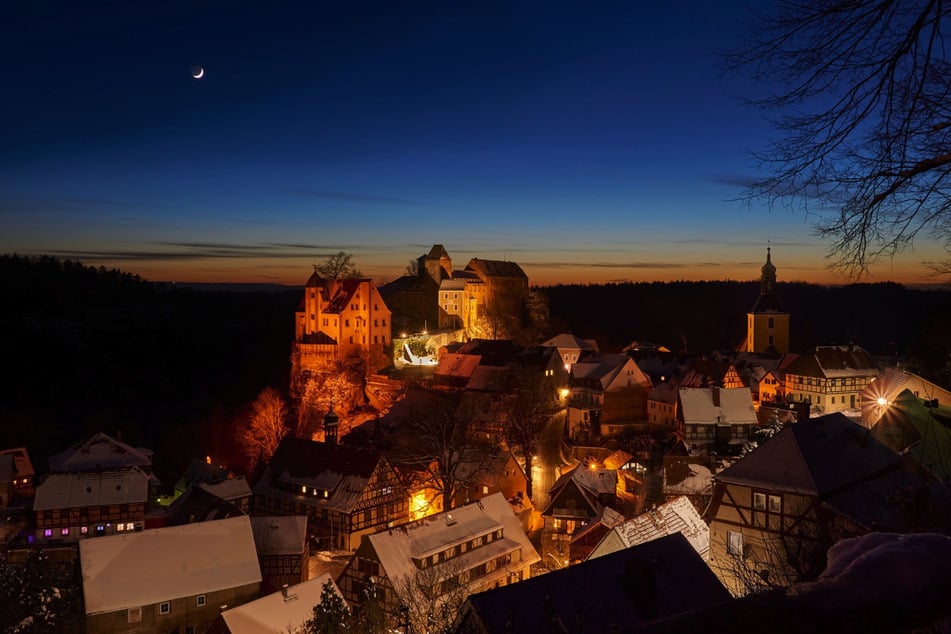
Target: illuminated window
120, 526
734, 543
64, 532
759, 501
48, 532
84, 530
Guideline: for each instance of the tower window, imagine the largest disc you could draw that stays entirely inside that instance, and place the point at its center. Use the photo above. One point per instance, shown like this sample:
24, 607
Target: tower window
770, 322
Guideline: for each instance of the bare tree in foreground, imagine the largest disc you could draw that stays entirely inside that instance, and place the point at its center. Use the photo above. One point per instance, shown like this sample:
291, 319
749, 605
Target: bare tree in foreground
859, 93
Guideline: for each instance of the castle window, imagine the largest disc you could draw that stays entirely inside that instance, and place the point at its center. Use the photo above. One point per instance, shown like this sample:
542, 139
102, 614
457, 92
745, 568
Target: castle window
351, 339
384, 338
375, 339
346, 322
770, 322
376, 323
384, 322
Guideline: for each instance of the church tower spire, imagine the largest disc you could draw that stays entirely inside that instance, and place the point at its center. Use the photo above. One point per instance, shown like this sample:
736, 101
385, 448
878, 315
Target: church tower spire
767, 324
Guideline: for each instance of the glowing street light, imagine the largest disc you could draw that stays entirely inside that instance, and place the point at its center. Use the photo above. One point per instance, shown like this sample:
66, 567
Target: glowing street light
882, 401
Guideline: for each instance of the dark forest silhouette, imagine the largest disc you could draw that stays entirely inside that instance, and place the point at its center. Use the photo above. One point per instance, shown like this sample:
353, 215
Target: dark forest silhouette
171, 367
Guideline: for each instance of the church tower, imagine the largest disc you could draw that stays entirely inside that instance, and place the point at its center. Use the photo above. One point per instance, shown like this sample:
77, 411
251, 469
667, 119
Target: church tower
767, 324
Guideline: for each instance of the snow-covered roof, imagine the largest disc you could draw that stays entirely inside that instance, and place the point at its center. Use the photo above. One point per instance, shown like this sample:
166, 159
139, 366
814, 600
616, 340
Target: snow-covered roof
136, 569
676, 516
567, 341
682, 477
457, 365
817, 457
834, 362
279, 613
228, 489
77, 490
280, 534
717, 405
100, 451
396, 548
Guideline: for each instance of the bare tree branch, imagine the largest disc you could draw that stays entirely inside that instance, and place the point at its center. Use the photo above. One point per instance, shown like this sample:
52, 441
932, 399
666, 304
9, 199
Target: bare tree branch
864, 121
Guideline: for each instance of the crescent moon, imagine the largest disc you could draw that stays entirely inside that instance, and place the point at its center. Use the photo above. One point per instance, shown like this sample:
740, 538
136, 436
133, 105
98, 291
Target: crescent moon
199, 73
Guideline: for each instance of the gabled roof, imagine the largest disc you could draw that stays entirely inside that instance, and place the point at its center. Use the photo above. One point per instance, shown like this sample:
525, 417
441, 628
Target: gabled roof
496, 268
100, 451
676, 516
817, 458
605, 368
280, 534
685, 475
717, 405
396, 548
455, 365
489, 378
279, 611
84, 489
833, 362
144, 568
654, 580
570, 341
341, 470
343, 291
591, 483
21, 461
230, 489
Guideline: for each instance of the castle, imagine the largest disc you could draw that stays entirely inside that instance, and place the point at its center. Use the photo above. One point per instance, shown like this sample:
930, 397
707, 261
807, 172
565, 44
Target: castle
484, 300
339, 319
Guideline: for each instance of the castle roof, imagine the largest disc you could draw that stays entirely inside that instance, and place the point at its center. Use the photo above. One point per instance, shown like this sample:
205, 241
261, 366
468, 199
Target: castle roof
496, 268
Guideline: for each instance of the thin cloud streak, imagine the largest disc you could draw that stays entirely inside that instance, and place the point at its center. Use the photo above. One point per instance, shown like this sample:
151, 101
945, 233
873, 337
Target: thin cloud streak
350, 197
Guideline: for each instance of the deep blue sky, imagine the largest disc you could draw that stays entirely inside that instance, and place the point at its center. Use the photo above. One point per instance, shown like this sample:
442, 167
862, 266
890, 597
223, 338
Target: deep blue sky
586, 141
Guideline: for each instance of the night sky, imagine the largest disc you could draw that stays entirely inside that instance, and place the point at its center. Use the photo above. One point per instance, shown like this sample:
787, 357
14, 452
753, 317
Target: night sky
586, 141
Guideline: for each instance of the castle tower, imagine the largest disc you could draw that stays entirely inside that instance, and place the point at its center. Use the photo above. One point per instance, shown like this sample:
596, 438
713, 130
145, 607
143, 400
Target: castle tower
767, 324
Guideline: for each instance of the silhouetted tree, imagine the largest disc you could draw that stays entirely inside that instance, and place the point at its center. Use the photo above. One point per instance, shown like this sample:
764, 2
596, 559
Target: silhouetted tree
338, 266
860, 93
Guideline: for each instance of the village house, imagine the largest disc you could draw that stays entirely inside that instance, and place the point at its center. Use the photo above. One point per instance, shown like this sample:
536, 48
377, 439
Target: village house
918, 430
345, 492
579, 497
775, 511
21, 474
477, 546
99, 486
571, 348
175, 579
283, 550
662, 408
714, 418
607, 395
830, 378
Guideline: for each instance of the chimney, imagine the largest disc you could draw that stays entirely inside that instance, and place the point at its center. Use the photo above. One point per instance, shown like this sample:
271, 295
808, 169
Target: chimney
284, 591
716, 396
